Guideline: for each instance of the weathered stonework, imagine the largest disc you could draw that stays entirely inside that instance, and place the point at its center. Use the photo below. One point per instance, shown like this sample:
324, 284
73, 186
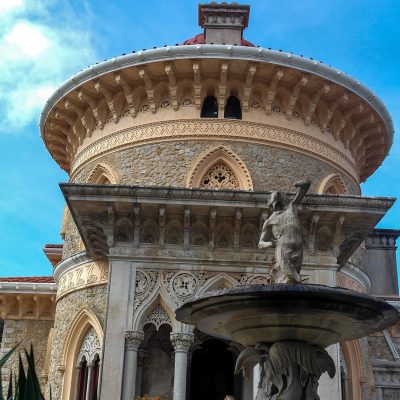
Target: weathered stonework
167, 164
27, 333
95, 299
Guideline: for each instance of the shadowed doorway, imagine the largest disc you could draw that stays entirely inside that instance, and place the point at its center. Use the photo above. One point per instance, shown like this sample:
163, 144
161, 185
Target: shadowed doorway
211, 375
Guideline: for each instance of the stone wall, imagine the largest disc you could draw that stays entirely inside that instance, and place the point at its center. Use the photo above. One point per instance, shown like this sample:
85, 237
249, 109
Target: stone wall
95, 299
26, 332
169, 163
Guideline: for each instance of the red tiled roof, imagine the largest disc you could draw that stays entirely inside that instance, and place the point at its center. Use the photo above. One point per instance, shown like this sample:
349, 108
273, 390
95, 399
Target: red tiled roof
199, 39
29, 279
53, 246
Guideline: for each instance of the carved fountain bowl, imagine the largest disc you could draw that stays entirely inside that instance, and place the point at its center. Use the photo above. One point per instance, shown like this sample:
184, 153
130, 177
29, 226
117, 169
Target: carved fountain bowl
315, 314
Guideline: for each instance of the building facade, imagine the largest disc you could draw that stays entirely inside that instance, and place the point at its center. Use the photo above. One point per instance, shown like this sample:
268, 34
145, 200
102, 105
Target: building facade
172, 153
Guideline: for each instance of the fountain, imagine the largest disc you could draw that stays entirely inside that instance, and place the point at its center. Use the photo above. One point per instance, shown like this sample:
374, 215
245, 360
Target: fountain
285, 326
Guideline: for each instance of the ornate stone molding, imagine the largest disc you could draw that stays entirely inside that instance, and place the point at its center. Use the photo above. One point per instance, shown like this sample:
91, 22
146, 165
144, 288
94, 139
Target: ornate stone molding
90, 347
158, 317
82, 276
218, 130
133, 339
182, 341
352, 277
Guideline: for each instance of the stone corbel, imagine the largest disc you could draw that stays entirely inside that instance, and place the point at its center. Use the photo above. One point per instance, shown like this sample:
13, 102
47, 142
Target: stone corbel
197, 84
331, 111
236, 237
186, 228
248, 86
108, 96
272, 91
136, 225
71, 106
172, 85
162, 216
211, 228
109, 233
345, 119
295, 95
126, 86
314, 102
148, 83
83, 96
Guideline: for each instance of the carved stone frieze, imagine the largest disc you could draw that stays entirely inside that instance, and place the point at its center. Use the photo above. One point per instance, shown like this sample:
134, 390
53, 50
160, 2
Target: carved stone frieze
84, 275
176, 130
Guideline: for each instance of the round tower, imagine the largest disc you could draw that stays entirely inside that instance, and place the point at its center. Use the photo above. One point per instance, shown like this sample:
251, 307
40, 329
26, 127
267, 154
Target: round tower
171, 153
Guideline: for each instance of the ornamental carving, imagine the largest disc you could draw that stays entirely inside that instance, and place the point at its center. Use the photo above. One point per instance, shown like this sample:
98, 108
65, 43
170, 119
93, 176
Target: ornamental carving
133, 339
158, 317
182, 341
145, 282
219, 176
222, 130
90, 347
90, 274
184, 285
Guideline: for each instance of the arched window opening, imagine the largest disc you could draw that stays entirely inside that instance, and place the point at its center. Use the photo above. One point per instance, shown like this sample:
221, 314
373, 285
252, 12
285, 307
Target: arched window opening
103, 180
82, 379
233, 109
88, 367
210, 108
212, 372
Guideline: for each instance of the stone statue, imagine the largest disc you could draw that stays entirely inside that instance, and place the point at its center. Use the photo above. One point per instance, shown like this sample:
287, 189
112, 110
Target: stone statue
289, 370
284, 224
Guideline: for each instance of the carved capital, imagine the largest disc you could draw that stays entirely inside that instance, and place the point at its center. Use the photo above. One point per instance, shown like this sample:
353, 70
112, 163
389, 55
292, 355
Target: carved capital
182, 341
133, 339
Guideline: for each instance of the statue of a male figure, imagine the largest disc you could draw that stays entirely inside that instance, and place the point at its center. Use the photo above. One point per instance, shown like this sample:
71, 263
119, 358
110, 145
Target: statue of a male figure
284, 224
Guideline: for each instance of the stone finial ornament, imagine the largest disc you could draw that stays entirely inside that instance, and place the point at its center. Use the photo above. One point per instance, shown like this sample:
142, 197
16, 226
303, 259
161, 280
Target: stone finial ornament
282, 230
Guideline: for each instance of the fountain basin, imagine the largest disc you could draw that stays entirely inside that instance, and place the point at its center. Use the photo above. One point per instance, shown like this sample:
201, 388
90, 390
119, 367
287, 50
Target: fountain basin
315, 314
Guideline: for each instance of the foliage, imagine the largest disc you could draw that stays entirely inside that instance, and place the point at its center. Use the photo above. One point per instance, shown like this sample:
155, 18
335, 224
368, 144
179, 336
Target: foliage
24, 386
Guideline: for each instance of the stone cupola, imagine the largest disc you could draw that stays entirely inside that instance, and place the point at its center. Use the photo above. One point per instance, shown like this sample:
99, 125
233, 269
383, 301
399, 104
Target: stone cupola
223, 23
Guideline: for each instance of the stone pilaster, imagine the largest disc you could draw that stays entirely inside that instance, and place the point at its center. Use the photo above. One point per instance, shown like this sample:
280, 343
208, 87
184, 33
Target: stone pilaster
181, 343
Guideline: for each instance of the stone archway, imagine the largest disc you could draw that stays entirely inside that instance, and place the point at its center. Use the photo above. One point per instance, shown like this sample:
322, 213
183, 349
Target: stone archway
211, 374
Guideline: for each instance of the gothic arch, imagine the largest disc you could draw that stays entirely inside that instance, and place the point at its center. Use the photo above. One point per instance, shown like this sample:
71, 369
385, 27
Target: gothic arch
156, 299
220, 156
82, 323
102, 174
220, 281
333, 184
354, 361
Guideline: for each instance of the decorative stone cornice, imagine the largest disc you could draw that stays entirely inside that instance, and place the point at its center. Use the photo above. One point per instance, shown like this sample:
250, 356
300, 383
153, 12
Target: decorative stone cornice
133, 339
364, 126
28, 288
353, 277
382, 239
220, 130
69, 263
182, 341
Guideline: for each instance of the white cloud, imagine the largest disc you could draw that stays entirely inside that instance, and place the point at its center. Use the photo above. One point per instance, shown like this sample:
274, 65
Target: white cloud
39, 50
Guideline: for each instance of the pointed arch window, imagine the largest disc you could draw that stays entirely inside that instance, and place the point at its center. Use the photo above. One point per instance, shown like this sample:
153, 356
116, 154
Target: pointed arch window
209, 108
233, 109
88, 367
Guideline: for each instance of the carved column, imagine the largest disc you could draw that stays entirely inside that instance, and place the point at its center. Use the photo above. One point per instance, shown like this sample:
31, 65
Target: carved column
142, 356
181, 343
132, 343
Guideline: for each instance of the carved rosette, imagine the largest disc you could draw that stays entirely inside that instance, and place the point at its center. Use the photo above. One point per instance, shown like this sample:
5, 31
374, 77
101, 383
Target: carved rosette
133, 339
182, 341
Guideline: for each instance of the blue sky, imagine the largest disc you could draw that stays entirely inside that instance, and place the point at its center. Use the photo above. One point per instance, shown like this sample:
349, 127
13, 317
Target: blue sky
44, 42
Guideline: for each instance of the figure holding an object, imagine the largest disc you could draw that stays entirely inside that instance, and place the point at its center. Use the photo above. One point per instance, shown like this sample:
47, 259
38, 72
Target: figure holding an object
283, 230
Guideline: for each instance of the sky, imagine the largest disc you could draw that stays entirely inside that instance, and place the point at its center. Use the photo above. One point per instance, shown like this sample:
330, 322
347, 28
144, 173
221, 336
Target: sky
44, 42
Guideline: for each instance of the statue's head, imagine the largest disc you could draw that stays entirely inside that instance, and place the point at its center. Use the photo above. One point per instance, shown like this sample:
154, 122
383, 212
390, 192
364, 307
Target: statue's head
276, 201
